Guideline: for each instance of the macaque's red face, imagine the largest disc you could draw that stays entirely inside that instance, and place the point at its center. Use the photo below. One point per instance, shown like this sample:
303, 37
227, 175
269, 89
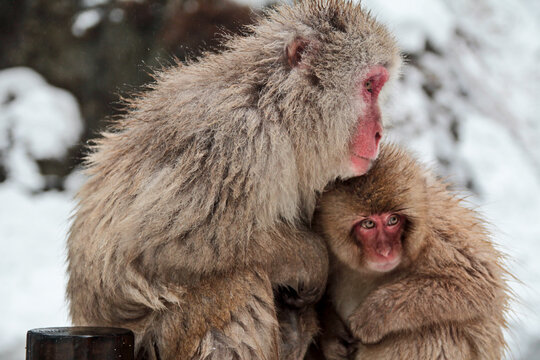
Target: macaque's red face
365, 142
380, 238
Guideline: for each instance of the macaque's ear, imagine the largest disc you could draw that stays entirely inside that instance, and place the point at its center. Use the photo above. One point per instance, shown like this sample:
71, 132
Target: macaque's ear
295, 51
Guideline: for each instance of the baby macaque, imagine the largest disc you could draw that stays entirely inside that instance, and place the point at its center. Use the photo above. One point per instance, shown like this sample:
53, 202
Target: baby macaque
413, 274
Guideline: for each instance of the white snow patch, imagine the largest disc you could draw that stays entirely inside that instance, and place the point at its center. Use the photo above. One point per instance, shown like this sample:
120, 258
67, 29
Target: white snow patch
93, 3
116, 15
37, 121
45, 119
253, 3
85, 20
75, 180
32, 271
414, 21
510, 200
22, 169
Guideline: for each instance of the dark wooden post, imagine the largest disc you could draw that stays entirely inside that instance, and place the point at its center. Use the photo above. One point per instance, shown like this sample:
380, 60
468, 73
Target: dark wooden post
79, 343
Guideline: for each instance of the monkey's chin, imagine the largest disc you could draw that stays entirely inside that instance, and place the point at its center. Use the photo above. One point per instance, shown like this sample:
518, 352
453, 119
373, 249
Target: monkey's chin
360, 165
384, 266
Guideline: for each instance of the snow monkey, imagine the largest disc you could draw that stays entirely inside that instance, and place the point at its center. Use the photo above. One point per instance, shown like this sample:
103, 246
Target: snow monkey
413, 274
195, 214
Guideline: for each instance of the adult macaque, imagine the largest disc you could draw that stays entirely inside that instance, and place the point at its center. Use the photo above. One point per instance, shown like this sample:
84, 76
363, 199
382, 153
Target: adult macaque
198, 200
413, 274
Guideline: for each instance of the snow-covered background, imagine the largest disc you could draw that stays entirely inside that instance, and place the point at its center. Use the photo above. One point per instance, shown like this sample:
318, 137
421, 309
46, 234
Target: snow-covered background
468, 104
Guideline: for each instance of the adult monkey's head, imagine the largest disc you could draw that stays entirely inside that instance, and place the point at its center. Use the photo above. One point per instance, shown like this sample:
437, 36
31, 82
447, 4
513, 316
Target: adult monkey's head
336, 62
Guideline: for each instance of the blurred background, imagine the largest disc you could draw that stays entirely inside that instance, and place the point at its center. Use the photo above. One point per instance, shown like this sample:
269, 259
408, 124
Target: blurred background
468, 104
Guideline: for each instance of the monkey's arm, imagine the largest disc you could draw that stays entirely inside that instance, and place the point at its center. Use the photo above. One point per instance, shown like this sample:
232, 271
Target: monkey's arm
458, 295
298, 266
334, 340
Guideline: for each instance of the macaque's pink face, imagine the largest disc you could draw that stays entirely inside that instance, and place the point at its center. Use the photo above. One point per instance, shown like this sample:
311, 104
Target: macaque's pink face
380, 238
364, 146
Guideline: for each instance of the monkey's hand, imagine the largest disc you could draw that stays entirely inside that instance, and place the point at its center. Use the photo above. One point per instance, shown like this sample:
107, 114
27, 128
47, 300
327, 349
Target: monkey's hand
421, 300
338, 348
335, 340
300, 268
297, 298
369, 323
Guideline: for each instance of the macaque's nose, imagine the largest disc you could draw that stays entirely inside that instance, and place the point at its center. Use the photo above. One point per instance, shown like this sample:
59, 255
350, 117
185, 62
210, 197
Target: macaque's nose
384, 249
378, 137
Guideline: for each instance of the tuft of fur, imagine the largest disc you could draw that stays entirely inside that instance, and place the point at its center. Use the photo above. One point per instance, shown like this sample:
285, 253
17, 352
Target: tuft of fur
197, 201
448, 297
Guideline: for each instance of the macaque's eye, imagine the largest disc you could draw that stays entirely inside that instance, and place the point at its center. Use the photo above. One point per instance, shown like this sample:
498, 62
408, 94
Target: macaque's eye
369, 86
368, 224
393, 220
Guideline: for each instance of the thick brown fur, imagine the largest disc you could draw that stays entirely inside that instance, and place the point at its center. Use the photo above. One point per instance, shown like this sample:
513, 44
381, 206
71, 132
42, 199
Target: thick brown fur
447, 298
195, 209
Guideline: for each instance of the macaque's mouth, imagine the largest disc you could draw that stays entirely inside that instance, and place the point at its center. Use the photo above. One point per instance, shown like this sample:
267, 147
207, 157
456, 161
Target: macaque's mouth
360, 164
384, 264
362, 157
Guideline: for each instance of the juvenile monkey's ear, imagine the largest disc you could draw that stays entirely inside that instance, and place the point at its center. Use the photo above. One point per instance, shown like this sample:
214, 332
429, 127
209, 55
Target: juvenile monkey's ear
295, 51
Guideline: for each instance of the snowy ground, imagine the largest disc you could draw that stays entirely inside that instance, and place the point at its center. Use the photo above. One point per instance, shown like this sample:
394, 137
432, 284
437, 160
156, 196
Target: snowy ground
32, 233
467, 104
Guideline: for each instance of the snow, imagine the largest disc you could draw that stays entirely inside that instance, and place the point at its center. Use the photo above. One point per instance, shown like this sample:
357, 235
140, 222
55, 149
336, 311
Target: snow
93, 3
511, 191
414, 21
253, 3
116, 15
32, 271
37, 121
85, 20
466, 104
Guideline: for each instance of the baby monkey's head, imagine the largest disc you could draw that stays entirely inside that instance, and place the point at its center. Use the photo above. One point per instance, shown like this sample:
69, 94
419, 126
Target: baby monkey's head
380, 238
374, 223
